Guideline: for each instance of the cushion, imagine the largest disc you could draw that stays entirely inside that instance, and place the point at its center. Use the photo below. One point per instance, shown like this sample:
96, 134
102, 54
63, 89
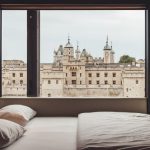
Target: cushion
25, 111
9, 132
17, 118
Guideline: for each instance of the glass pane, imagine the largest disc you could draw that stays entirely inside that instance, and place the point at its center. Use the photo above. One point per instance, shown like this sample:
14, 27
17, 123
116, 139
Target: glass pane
92, 53
14, 53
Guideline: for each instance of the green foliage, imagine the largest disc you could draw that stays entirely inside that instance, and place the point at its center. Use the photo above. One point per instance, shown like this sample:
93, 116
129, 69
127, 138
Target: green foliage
126, 59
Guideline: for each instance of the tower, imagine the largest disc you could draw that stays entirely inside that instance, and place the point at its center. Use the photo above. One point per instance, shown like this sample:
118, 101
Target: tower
78, 53
68, 51
108, 53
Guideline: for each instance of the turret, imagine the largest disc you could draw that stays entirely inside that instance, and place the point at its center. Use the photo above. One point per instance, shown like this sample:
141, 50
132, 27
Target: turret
78, 53
68, 51
108, 53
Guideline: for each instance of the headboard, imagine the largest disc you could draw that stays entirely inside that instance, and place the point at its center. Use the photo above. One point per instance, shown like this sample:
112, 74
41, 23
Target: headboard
74, 106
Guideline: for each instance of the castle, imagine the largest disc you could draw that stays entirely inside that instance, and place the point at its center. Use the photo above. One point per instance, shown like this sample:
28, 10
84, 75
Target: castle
76, 73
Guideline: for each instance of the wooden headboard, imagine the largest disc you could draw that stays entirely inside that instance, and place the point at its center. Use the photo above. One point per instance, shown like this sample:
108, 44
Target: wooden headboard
74, 106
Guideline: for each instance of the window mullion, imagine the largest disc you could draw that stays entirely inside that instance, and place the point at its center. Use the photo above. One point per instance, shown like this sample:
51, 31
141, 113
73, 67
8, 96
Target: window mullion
147, 57
1, 53
33, 53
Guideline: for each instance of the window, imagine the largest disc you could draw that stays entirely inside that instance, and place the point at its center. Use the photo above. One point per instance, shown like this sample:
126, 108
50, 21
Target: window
73, 74
49, 81
21, 74
13, 74
57, 81
105, 74
127, 89
137, 82
106, 82
114, 81
13, 81
73, 81
14, 53
64, 68
21, 81
90, 74
114, 74
49, 95
97, 75
70, 62
90, 82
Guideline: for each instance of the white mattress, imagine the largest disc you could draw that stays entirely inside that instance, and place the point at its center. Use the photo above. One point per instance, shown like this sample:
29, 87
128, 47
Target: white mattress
48, 133
113, 131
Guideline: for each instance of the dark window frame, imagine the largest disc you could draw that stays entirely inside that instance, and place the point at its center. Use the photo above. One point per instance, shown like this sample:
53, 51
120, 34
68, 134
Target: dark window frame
89, 75
21, 74
33, 7
73, 74
73, 82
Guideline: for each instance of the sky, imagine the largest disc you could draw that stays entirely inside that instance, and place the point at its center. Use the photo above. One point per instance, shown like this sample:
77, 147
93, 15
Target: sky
125, 28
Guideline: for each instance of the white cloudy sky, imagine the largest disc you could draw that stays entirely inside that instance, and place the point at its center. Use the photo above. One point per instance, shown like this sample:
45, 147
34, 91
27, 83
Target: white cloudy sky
126, 30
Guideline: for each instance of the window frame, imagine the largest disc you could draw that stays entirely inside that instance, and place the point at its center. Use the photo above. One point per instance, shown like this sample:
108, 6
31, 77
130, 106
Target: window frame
33, 7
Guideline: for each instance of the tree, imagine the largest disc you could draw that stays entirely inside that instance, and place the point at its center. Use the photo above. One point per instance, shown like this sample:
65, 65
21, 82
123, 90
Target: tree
126, 59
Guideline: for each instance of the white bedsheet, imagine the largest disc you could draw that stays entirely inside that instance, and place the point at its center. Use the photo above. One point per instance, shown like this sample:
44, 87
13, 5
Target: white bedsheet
113, 131
48, 133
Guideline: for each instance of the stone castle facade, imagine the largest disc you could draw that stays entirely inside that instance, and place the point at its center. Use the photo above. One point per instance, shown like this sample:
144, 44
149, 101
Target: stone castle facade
76, 73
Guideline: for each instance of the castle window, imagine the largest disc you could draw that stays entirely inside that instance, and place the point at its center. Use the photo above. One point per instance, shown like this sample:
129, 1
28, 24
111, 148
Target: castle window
13, 74
66, 82
105, 74
49, 95
106, 82
57, 81
137, 82
114, 74
73, 74
73, 81
21, 74
97, 75
13, 81
66, 74
127, 89
90, 74
90, 82
80, 82
49, 81
114, 81
80, 74
21, 81
97, 82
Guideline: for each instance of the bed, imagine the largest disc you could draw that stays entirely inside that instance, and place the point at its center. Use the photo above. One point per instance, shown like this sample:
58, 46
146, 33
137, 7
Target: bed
48, 133
57, 125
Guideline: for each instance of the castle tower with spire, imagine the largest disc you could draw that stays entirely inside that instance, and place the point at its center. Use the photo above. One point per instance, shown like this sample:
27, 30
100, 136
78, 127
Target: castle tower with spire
78, 53
108, 53
68, 51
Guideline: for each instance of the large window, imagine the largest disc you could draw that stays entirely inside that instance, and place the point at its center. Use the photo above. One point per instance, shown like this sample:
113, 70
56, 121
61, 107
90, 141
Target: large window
93, 53
14, 53
83, 53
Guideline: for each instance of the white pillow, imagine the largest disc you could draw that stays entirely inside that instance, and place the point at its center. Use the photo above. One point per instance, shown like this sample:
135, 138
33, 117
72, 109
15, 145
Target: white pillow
9, 132
25, 111
14, 117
